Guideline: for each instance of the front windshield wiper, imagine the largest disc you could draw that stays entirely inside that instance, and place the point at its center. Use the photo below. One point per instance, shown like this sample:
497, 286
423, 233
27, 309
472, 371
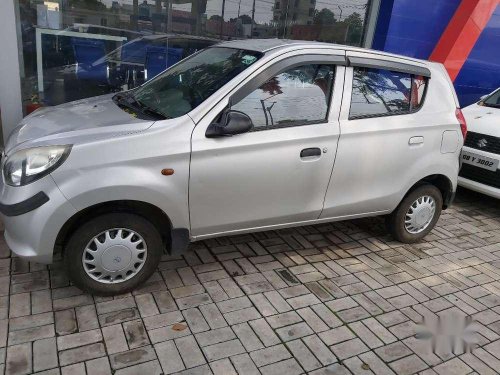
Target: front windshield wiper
128, 101
148, 110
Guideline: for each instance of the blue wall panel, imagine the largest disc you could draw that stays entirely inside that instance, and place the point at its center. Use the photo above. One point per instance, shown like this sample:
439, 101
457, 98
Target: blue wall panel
481, 72
413, 27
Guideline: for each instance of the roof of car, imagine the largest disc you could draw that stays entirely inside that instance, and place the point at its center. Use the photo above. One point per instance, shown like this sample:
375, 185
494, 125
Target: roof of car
264, 45
178, 36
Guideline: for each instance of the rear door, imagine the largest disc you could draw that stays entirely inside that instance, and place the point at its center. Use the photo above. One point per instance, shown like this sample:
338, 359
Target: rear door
382, 136
279, 172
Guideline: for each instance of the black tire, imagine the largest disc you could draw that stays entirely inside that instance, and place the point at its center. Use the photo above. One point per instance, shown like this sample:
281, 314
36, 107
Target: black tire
395, 222
82, 236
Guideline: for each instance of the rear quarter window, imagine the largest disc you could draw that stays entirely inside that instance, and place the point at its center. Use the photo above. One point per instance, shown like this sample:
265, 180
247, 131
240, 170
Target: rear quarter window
381, 92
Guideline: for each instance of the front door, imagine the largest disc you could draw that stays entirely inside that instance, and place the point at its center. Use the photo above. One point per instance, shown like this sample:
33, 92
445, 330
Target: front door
277, 173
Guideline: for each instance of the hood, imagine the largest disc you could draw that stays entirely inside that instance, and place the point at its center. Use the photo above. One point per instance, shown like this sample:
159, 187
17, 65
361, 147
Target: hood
75, 121
481, 119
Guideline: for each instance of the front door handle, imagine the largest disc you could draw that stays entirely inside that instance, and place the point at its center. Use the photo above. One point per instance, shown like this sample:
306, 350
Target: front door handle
308, 152
416, 140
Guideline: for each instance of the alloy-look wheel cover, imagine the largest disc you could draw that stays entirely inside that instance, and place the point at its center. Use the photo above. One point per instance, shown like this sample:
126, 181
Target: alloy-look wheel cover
420, 214
114, 256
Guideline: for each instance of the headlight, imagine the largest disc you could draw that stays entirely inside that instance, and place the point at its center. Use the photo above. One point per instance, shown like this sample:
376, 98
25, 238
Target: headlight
28, 165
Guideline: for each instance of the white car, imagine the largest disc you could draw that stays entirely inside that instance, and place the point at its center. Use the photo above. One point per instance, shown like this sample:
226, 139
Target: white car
240, 137
481, 153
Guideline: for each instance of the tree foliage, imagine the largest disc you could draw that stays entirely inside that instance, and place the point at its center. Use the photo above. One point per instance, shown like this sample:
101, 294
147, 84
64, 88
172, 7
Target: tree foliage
324, 17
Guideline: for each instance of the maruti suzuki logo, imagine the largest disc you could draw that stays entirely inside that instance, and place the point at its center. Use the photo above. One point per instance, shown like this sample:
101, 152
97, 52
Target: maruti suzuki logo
482, 143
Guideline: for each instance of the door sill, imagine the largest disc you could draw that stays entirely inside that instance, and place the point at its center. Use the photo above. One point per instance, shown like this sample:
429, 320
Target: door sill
288, 225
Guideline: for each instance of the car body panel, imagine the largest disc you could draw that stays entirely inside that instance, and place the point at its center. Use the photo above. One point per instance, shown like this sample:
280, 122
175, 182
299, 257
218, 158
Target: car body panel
483, 120
376, 164
125, 170
79, 121
268, 176
33, 235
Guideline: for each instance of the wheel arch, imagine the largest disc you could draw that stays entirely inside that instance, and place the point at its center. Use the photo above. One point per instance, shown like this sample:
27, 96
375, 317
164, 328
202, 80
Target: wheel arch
150, 212
440, 181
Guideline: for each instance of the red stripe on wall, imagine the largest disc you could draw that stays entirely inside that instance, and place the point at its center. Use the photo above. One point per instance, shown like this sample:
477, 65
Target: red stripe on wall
462, 33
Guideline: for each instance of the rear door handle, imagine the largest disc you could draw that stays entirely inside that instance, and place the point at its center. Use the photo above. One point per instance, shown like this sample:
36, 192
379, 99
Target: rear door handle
416, 140
308, 152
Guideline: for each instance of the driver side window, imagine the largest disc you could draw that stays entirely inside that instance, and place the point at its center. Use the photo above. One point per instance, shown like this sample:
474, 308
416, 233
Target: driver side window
298, 96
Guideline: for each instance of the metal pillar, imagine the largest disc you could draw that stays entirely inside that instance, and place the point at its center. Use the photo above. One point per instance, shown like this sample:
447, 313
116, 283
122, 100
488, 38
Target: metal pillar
10, 74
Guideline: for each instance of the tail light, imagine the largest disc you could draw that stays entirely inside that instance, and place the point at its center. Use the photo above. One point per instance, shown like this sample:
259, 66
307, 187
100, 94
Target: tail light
461, 120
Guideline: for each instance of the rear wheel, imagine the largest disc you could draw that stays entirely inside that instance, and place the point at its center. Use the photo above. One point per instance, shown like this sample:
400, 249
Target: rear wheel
113, 253
416, 215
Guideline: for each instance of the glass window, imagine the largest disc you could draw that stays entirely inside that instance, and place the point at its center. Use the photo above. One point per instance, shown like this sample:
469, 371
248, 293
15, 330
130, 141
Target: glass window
73, 49
418, 89
298, 96
186, 85
383, 92
493, 100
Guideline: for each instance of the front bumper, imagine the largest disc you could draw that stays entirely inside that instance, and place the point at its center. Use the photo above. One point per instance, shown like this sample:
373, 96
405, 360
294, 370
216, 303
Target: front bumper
480, 188
478, 179
33, 216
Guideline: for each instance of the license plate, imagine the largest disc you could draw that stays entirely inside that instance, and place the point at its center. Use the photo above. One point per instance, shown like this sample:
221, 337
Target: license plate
479, 161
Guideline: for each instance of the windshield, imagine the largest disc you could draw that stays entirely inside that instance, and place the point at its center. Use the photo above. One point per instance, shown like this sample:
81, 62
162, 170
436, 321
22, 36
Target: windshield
493, 100
186, 85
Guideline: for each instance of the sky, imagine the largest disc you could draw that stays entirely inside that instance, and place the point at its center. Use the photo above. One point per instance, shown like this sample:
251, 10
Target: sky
263, 8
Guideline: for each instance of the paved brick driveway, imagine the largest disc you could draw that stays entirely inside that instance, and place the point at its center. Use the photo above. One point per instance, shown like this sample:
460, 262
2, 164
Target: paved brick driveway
330, 299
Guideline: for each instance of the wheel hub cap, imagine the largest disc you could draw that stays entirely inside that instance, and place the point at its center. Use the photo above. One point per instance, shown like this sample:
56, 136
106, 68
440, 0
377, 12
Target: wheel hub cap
114, 256
420, 214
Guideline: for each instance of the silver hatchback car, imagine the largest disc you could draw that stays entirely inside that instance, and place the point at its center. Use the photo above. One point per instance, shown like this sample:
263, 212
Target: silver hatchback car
240, 137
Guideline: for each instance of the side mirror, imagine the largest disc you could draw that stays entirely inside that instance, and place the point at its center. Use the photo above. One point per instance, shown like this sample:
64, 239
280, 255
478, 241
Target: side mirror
231, 123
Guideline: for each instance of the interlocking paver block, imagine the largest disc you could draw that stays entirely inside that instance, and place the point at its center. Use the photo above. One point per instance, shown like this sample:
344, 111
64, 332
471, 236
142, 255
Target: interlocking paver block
408, 365
98, 366
150, 368
223, 350
241, 316
337, 298
222, 367
132, 357
247, 337
78, 339
190, 352
349, 348
135, 333
303, 355
289, 367
86, 317
294, 331
31, 334
319, 349
336, 335
244, 365
114, 338
83, 353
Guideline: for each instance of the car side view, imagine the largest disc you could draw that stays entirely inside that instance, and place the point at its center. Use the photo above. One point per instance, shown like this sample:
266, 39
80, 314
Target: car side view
240, 137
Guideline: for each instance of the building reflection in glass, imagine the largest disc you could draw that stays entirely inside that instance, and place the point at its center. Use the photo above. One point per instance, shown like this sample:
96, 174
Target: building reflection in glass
74, 49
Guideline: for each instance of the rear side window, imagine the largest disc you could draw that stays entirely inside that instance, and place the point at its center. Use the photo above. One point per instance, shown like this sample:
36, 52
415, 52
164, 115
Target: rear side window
380, 92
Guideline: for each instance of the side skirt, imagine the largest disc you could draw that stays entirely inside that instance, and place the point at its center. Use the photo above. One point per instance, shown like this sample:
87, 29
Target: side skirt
289, 225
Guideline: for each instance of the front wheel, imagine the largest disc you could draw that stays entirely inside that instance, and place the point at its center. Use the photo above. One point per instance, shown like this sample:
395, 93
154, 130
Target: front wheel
113, 253
416, 215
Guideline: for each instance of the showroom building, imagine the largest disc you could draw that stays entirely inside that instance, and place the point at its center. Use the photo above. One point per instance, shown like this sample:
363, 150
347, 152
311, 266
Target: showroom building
56, 51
